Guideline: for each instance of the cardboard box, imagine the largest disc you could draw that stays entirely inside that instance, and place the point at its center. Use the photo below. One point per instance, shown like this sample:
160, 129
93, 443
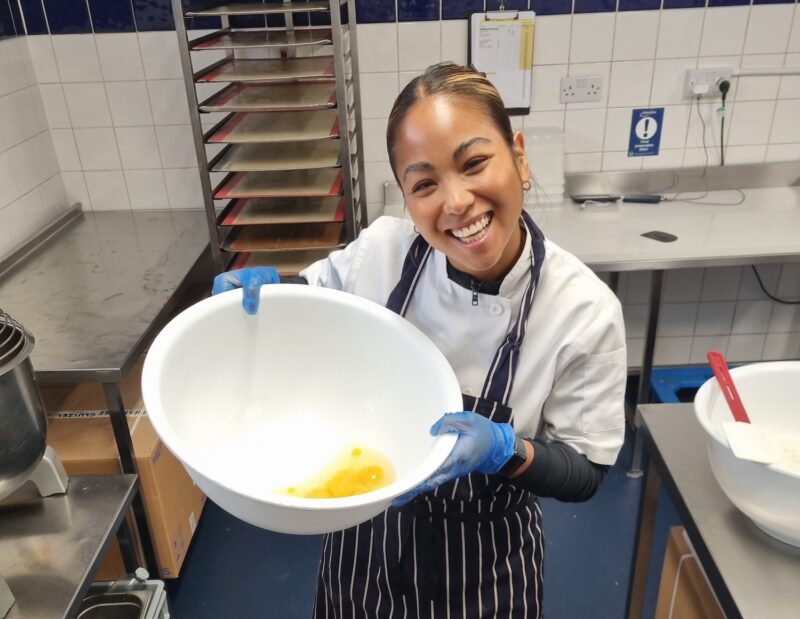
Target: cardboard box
684, 592
80, 431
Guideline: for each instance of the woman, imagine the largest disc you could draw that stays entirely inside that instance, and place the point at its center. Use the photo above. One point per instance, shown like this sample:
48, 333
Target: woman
535, 339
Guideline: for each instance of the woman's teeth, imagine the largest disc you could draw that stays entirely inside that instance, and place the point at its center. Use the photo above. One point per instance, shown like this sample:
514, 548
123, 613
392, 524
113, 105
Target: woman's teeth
474, 232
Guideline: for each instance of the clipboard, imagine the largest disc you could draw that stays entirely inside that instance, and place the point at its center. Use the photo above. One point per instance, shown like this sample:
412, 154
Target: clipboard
501, 47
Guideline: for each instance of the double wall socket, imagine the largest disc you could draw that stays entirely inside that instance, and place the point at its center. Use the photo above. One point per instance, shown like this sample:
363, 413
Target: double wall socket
703, 82
582, 88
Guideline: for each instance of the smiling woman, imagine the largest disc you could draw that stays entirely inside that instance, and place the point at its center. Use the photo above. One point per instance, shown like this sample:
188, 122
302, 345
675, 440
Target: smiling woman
542, 415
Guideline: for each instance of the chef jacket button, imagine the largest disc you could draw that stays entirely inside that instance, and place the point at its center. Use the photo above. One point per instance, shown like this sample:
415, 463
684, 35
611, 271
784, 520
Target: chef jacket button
495, 309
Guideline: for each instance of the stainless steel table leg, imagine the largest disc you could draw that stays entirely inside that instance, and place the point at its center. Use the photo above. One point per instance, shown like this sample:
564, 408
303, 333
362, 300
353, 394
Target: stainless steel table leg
643, 396
644, 541
116, 411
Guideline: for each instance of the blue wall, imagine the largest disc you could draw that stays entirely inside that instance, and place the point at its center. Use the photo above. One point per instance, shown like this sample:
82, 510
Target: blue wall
82, 16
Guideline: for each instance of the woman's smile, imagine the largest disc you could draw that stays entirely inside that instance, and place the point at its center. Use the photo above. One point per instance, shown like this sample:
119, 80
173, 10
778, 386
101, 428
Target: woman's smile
473, 232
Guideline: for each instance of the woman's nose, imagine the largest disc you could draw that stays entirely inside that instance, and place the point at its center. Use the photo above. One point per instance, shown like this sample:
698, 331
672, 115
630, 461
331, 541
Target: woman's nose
458, 199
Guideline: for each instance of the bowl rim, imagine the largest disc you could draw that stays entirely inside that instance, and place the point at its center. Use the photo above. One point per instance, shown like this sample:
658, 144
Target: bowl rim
154, 362
711, 386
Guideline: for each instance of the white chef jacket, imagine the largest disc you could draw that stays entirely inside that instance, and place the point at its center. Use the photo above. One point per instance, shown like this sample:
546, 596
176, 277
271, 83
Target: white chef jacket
569, 385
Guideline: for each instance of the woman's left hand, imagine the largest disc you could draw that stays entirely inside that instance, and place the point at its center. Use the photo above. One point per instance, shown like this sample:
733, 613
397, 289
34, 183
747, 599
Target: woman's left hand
483, 446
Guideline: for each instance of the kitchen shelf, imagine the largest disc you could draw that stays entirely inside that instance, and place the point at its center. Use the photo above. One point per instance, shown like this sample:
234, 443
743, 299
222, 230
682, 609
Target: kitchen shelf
291, 184
268, 70
256, 8
278, 237
275, 127
287, 262
257, 211
276, 97
286, 156
249, 39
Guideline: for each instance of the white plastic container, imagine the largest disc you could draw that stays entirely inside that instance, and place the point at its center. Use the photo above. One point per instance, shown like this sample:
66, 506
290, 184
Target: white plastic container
769, 494
254, 404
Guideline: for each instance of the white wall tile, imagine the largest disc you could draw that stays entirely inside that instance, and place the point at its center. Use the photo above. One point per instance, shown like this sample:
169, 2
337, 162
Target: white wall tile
790, 84
377, 47
752, 317
553, 118
75, 186
694, 135
146, 189
714, 318
794, 37
601, 70
54, 198
168, 102
789, 285
9, 191
583, 162
768, 28
546, 87
160, 55
770, 274
724, 30
783, 152
676, 319
183, 188
55, 106
18, 220
66, 151
454, 40
758, 87
418, 44
675, 125
374, 136
176, 145
98, 150
784, 318
682, 286
129, 103
586, 45
668, 78
76, 56
701, 346
781, 346
618, 127
666, 159
744, 154
107, 191
635, 317
44, 60
138, 148
584, 130
743, 348
119, 56
630, 83
635, 350
679, 33
376, 173
786, 124
635, 35
551, 39
24, 166
721, 284
87, 105
672, 351
751, 122
378, 92
617, 161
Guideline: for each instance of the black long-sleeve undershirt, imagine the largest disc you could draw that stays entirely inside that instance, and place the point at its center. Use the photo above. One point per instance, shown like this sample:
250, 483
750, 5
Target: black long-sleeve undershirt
560, 472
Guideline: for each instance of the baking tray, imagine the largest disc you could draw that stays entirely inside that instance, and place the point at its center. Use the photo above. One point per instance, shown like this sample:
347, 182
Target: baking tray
272, 98
268, 70
287, 262
308, 155
247, 39
257, 8
292, 184
244, 127
282, 237
259, 211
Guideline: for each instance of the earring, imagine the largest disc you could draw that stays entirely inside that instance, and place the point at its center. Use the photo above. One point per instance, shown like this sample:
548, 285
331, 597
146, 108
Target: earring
415, 230
526, 185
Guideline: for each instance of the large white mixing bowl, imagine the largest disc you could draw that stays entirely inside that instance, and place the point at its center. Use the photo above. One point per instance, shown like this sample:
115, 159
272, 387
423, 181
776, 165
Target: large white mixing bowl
254, 404
768, 494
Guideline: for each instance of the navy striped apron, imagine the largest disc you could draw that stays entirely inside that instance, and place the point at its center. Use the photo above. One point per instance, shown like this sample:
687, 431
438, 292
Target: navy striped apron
471, 548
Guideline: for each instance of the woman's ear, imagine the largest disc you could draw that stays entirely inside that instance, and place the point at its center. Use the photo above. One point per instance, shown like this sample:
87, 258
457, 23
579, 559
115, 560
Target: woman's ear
521, 159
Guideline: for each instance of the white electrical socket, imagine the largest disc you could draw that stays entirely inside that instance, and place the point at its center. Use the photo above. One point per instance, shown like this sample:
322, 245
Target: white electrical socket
703, 82
582, 88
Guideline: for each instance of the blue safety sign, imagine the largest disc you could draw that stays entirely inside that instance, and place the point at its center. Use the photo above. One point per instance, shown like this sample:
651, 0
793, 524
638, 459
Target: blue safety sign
646, 126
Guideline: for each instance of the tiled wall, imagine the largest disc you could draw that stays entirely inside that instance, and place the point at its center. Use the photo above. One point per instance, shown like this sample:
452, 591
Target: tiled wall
31, 192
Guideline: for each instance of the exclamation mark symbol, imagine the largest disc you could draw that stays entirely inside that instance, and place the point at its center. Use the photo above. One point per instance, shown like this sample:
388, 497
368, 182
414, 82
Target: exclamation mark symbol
646, 128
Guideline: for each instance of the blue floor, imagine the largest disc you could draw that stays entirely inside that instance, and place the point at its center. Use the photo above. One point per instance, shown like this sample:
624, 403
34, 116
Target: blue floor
236, 570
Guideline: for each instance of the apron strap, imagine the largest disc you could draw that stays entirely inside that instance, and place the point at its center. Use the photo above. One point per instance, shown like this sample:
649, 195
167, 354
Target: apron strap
412, 270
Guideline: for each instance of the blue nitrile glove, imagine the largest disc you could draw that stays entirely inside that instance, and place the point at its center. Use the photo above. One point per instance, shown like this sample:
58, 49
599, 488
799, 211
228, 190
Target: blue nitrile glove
250, 279
483, 446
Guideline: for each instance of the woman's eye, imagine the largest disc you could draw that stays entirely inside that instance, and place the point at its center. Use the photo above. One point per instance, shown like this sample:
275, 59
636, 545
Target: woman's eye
475, 163
421, 185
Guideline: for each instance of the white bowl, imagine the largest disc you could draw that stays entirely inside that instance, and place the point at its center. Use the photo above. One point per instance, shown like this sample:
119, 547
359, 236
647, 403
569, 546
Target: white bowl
254, 404
768, 494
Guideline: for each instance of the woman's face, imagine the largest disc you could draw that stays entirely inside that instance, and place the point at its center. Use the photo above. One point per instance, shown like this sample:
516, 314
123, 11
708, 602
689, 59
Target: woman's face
462, 184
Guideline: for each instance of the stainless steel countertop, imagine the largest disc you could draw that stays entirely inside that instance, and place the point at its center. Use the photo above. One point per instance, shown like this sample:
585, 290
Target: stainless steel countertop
758, 574
92, 292
51, 548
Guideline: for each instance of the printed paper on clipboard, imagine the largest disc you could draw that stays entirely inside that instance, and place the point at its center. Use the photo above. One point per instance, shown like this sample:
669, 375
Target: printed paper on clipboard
501, 46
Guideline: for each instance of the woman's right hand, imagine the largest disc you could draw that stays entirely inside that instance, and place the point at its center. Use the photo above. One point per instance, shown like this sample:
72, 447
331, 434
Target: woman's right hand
250, 279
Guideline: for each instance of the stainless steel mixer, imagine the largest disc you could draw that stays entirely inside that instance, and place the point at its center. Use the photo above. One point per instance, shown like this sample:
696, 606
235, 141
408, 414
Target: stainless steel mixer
24, 454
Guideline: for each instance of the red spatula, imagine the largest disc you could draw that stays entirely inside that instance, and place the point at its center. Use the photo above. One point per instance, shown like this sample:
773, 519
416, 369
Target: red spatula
720, 366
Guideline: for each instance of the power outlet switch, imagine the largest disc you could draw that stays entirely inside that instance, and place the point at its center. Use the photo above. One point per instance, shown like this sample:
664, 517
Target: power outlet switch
581, 88
703, 82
